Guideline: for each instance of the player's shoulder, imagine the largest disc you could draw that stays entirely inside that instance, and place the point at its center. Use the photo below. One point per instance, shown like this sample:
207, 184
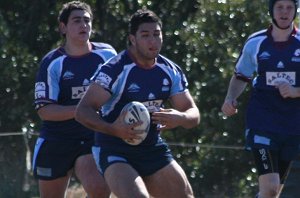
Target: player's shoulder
257, 35
112, 68
256, 39
297, 34
105, 50
52, 55
102, 46
121, 59
166, 62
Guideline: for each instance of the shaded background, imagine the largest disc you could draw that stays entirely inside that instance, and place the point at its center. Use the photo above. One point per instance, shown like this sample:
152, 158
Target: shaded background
204, 37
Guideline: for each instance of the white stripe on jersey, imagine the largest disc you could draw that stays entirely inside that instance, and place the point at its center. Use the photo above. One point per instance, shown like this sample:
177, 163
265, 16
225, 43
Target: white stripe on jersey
53, 75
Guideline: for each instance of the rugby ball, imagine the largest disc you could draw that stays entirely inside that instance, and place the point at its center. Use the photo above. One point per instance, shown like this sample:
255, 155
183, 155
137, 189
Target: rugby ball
134, 112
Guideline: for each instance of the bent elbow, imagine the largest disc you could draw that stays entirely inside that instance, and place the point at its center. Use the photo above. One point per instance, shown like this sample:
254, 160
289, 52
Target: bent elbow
77, 115
195, 122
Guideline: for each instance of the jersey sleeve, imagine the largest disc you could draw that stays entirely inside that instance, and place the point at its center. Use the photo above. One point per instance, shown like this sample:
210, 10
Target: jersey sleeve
180, 82
108, 73
247, 63
177, 76
47, 82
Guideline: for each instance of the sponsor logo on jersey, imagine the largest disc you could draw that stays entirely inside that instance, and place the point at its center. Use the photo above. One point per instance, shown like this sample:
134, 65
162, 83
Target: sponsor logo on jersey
273, 78
280, 65
166, 84
297, 52
103, 79
40, 90
86, 82
296, 57
133, 88
153, 105
264, 56
151, 96
68, 75
78, 92
165, 88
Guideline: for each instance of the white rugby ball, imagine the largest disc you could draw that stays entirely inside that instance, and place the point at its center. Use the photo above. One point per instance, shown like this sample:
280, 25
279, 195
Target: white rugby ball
137, 111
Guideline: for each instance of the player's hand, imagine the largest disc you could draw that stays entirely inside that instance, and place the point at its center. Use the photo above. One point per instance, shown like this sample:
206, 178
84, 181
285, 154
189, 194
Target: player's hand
287, 91
124, 130
166, 118
229, 107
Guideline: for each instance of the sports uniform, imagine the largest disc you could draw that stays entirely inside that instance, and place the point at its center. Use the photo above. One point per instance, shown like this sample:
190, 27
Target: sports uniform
63, 80
273, 62
139, 74
271, 119
272, 129
128, 82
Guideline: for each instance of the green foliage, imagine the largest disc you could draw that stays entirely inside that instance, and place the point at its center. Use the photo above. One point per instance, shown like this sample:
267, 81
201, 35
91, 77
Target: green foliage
204, 37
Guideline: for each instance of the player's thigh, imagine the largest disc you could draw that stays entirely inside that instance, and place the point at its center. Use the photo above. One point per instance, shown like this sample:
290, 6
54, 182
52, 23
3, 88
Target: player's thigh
124, 181
54, 188
90, 178
269, 184
170, 181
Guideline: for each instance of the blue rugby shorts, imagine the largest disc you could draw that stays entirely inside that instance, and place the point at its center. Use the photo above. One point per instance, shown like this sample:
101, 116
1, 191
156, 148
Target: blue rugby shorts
54, 158
146, 160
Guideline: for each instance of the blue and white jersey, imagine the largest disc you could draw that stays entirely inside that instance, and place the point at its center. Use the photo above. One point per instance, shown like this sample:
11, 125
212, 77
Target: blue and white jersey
127, 82
63, 80
271, 62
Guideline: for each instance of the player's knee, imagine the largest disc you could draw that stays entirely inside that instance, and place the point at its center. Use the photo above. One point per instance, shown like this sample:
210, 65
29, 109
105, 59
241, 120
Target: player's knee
104, 194
95, 191
270, 191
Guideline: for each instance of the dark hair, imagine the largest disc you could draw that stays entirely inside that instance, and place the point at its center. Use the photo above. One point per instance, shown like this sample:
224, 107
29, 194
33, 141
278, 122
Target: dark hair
271, 6
69, 7
142, 16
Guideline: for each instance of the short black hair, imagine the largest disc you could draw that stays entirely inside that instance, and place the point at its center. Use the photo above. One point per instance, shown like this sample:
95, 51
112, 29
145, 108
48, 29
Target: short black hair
142, 16
69, 7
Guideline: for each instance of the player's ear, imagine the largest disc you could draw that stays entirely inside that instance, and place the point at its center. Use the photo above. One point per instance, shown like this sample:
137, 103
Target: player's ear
62, 29
131, 39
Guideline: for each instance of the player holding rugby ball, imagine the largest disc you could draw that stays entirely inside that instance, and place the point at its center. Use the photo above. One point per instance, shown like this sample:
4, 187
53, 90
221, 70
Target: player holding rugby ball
140, 74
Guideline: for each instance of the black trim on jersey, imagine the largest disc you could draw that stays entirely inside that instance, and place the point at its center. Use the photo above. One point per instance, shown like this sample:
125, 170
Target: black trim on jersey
241, 77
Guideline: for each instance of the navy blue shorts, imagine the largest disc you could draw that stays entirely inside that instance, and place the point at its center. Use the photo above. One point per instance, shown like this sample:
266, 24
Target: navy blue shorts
53, 159
287, 146
146, 160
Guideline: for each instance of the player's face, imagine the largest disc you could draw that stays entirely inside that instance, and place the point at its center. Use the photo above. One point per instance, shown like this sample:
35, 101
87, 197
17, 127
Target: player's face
79, 26
147, 40
284, 11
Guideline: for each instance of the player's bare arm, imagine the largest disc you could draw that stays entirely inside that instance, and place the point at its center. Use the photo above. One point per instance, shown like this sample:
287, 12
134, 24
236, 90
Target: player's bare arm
235, 89
86, 114
185, 113
55, 112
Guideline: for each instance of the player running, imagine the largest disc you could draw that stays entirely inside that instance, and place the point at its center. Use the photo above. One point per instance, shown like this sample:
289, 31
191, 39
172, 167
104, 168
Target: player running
64, 145
273, 130
141, 74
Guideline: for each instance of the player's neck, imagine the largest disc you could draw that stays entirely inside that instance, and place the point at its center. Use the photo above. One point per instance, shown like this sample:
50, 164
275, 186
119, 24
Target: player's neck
280, 35
143, 62
77, 49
